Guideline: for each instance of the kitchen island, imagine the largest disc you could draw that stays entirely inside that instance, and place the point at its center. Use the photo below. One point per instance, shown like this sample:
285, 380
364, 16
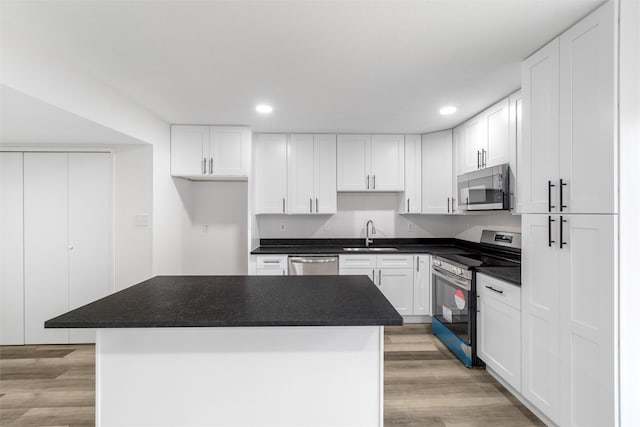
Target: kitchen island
239, 350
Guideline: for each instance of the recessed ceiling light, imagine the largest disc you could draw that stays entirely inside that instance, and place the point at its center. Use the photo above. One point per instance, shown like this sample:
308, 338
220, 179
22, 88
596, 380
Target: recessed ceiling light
445, 111
264, 108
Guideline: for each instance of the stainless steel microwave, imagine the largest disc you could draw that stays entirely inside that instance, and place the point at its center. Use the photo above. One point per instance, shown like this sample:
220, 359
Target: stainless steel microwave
485, 189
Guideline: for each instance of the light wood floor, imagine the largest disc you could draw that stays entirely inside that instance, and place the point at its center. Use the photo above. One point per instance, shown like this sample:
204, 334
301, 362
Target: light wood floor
424, 386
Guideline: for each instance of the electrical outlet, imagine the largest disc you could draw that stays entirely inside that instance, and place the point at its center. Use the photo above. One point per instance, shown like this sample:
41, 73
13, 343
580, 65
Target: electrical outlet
283, 227
410, 227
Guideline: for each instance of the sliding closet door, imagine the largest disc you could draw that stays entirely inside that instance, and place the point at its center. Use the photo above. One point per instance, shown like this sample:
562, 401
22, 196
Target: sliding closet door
89, 233
11, 266
46, 245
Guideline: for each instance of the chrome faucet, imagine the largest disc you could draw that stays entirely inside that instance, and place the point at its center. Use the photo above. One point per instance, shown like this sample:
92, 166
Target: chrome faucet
367, 239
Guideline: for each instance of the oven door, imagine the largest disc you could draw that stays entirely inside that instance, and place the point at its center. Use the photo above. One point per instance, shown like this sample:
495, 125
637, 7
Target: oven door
451, 300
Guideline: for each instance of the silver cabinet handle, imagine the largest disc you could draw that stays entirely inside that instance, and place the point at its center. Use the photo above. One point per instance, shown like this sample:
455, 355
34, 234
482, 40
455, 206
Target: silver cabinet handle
310, 205
418, 264
478, 160
373, 273
204, 166
271, 261
452, 202
408, 206
484, 158
374, 182
211, 166
283, 201
448, 199
367, 182
317, 205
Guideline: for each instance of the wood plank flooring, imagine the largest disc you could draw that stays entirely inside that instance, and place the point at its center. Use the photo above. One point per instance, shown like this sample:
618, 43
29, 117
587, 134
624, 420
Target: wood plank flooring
424, 386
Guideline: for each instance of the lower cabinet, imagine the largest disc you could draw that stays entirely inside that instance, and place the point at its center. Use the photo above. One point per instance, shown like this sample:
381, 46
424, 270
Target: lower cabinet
403, 279
271, 265
498, 323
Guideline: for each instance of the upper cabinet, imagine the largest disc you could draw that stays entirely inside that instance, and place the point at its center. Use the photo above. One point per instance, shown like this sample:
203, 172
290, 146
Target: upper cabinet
370, 163
311, 161
412, 200
437, 173
210, 152
483, 141
567, 158
270, 153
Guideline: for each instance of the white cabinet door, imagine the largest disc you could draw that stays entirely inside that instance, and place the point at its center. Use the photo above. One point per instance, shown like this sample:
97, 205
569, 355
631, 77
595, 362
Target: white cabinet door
540, 314
499, 333
369, 272
11, 250
437, 174
353, 163
229, 151
271, 173
325, 174
588, 123
538, 162
387, 162
471, 145
89, 233
46, 246
300, 161
587, 320
496, 148
412, 200
422, 285
189, 150
397, 285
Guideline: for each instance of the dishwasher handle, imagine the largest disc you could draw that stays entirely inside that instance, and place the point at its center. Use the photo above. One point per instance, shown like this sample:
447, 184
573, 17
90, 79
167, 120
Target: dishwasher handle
301, 260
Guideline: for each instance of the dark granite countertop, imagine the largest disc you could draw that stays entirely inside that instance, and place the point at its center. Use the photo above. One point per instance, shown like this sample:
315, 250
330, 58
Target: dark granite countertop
508, 274
205, 301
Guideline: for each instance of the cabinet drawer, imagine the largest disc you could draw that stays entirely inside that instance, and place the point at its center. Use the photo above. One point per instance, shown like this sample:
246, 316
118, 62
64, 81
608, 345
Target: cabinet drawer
502, 291
395, 261
357, 261
271, 262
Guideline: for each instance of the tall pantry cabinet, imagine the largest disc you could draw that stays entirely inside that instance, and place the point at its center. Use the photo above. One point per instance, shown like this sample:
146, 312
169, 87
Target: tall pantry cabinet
63, 227
567, 194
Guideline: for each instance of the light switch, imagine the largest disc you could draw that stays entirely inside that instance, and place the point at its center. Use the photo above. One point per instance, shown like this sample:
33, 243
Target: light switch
142, 220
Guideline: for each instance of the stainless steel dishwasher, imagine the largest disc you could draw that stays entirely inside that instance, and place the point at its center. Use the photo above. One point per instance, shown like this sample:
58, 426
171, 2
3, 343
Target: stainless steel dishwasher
313, 265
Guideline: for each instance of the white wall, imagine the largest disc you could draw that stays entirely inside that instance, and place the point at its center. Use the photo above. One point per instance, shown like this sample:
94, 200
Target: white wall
215, 233
133, 180
354, 209
470, 226
629, 211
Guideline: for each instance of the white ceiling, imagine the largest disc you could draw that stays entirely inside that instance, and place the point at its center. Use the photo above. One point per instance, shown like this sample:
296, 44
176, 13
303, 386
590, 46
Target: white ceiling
348, 66
25, 120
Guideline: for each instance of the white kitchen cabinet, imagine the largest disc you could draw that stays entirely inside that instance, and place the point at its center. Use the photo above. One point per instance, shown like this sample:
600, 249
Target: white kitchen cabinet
437, 174
412, 201
11, 250
498, 325
270, 151
392, 273
311, 163
67, 239
210, 152
370, 163
568, 315
422, 285
568, 160
484, 139
271, 265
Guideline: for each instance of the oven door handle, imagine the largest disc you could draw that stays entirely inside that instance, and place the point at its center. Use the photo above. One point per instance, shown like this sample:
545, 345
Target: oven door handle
451, 279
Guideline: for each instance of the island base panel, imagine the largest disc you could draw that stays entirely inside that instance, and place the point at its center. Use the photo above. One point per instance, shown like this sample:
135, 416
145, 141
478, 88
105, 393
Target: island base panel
269, 376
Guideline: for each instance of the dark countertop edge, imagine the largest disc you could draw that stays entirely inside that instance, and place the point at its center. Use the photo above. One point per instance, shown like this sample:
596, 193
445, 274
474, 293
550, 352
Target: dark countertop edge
491, 271
52, 324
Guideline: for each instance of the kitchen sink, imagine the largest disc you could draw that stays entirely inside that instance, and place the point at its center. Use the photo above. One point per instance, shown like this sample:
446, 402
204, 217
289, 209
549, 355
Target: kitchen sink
370, 249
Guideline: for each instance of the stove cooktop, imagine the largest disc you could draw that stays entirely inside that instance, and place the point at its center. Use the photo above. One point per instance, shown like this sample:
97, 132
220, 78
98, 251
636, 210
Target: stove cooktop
468, 261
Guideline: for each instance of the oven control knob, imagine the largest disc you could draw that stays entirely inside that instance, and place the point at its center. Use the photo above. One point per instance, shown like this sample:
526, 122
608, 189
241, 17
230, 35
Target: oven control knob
457, 270
437, 262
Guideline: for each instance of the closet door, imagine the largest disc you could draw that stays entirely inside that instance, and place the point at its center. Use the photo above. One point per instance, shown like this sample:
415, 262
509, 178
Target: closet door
11, 245
89, 233
46, 246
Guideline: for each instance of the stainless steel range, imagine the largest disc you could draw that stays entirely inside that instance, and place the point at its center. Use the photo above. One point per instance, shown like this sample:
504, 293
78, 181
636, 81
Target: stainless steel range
454, 292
